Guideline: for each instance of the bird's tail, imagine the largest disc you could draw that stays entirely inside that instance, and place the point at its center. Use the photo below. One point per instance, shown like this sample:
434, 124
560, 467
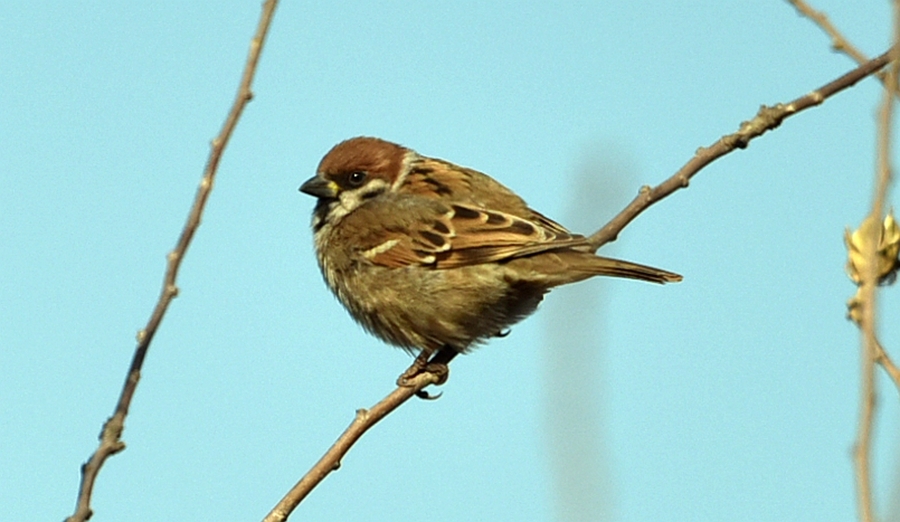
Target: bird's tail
569, 266
608, 266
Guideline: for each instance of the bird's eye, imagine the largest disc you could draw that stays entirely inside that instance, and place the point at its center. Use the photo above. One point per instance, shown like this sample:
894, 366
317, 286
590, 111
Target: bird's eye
356, 178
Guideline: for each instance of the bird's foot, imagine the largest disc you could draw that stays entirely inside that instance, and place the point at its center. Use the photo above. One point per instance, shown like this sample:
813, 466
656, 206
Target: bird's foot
416, 368
424, 363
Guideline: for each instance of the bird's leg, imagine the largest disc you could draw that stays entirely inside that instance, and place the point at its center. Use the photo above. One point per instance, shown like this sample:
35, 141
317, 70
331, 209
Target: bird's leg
415, 368
437, 365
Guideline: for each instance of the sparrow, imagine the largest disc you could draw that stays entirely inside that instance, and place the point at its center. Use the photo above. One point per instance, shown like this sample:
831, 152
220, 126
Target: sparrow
436, 258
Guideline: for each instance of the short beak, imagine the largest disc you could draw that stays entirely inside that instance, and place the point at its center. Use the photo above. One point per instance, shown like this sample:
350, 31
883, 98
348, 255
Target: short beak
318, 187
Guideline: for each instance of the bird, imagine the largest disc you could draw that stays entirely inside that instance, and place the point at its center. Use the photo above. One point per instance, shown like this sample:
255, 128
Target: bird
437, 258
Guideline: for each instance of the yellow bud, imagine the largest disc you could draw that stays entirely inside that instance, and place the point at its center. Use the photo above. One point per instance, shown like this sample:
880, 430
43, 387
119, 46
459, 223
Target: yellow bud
886, 251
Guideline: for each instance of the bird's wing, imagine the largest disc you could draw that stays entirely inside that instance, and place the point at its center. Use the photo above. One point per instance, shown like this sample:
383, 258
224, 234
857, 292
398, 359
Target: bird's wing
449, 235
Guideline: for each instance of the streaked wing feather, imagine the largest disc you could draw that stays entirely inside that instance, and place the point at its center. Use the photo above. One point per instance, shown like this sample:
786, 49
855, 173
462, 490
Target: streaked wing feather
466, 235
401, 254
553, 226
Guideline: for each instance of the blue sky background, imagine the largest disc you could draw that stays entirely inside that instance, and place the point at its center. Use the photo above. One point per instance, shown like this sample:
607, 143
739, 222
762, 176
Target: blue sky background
730, 396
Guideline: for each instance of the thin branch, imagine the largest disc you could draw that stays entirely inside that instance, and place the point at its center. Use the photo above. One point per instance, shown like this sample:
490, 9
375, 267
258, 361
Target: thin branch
331, 461
872, 351
110, 436
862, 448
868, 297
882, 358
838, 42
766, 119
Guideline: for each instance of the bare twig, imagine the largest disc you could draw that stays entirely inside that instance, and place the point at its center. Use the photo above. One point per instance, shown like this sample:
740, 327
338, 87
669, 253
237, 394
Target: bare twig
882, 358
838, 42
872, 352
766, 119
862, 448
110, 437
331, 461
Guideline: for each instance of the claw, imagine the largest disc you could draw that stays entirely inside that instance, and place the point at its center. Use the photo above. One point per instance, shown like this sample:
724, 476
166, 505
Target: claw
425, 396
437, 365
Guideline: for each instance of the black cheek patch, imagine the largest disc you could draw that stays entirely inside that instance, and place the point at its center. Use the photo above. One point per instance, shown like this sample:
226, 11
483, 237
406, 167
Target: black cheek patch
369, 194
